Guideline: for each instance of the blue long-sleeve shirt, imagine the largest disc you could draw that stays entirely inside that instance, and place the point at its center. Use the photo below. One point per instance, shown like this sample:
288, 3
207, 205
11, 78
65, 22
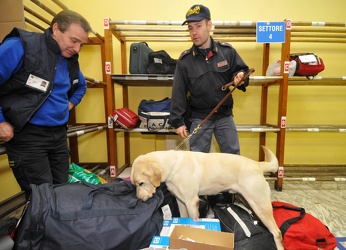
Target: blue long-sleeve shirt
54, 111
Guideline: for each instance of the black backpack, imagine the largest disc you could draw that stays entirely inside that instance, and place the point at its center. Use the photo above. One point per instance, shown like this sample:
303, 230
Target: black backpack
81, 216
160, 62
248, 233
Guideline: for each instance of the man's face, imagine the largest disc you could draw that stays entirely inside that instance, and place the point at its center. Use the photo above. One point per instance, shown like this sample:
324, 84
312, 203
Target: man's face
199, 33
71, 41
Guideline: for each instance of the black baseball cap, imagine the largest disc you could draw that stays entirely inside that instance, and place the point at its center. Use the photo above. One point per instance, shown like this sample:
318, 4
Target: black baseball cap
197, 13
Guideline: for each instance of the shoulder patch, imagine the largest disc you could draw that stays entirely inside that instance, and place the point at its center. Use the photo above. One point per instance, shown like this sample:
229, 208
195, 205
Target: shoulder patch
226, 44
184, 53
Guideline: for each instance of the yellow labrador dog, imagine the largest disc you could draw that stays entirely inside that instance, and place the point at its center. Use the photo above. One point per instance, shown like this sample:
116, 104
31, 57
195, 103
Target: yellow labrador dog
190, 174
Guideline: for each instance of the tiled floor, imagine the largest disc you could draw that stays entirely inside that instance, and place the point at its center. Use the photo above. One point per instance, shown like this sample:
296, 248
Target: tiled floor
324, 200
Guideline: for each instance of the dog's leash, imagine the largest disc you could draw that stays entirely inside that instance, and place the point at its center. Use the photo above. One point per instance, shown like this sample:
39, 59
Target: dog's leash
224, 87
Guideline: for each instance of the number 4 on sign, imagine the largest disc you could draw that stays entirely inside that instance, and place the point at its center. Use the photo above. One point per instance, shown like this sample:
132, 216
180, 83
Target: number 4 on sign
271, 36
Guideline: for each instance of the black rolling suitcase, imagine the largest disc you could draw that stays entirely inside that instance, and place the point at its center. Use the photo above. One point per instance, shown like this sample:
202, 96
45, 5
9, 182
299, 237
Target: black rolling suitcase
139, 58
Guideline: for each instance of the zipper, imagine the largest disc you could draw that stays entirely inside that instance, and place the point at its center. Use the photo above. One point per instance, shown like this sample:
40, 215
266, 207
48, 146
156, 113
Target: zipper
40, 210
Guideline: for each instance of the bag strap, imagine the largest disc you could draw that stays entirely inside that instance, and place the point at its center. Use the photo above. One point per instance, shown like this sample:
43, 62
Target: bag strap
109, 189
154, 101
14, 231
240, 221
286, 224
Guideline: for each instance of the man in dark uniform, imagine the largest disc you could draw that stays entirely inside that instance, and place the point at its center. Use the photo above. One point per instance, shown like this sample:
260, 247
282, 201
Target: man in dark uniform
200, 74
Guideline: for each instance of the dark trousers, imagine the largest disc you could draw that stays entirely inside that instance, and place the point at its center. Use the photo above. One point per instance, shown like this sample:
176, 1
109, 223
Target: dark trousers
225, 133
39, 155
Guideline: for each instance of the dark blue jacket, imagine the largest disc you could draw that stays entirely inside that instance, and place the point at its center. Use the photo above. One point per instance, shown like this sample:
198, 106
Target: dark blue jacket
200, 76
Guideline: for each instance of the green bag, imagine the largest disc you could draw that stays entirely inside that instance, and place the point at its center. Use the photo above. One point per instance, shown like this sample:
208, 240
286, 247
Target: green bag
79, 174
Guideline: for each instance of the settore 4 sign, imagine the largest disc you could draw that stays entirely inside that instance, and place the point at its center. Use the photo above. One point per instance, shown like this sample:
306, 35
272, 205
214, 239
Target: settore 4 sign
270, 32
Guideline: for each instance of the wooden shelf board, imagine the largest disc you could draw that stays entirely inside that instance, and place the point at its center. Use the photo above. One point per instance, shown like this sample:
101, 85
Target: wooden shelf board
167, 80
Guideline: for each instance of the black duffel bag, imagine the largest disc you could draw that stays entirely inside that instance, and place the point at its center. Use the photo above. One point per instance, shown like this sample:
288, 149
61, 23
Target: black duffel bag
249, 234
159, 62
82, 216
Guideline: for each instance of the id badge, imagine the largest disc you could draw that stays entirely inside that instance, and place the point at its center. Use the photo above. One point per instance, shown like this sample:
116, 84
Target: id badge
37, 83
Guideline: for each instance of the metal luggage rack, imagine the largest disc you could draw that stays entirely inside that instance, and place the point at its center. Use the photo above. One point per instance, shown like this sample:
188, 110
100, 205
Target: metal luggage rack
317, 81
168, 31
314, 173
238, 31
319, 32
71, 131
167, 80
316, 128
161, 31
240, 128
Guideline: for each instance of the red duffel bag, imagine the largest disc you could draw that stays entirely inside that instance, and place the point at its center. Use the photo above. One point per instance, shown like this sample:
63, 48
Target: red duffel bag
125, 117
300, 230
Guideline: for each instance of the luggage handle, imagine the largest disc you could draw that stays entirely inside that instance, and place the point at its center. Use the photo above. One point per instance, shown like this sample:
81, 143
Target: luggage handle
154, 101
286, 224
240, 221
321, 242
110, 190
135, 48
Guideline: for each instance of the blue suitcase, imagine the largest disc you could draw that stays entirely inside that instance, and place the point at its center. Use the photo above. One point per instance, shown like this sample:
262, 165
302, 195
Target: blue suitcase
139, 58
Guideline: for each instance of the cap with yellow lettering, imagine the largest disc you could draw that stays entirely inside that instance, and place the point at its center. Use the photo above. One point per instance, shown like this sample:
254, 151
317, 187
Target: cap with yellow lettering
197, 13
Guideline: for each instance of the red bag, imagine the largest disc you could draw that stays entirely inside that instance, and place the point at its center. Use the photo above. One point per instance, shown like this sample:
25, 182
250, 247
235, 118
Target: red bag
308, 64
300, 230
125, 117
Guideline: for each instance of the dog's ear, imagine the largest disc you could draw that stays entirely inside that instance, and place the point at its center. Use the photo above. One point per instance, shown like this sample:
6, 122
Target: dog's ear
154, 175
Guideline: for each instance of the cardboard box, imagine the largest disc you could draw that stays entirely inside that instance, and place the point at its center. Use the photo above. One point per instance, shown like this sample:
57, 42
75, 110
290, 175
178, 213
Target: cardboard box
205, 232
203, 223
11, 10
6, 28
192, 238
11, 15
159, 243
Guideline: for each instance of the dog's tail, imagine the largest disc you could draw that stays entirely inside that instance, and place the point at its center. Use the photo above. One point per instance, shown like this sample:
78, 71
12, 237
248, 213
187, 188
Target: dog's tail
272, 164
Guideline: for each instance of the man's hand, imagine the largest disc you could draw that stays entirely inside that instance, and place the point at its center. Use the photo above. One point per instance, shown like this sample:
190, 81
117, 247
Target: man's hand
238, 79
6, 131
70, 105
181, 131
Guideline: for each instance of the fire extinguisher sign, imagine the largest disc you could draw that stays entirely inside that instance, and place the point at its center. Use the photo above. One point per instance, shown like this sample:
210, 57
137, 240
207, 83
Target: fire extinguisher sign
108, 68
106, 23
112, 171
283, 121
281, 172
